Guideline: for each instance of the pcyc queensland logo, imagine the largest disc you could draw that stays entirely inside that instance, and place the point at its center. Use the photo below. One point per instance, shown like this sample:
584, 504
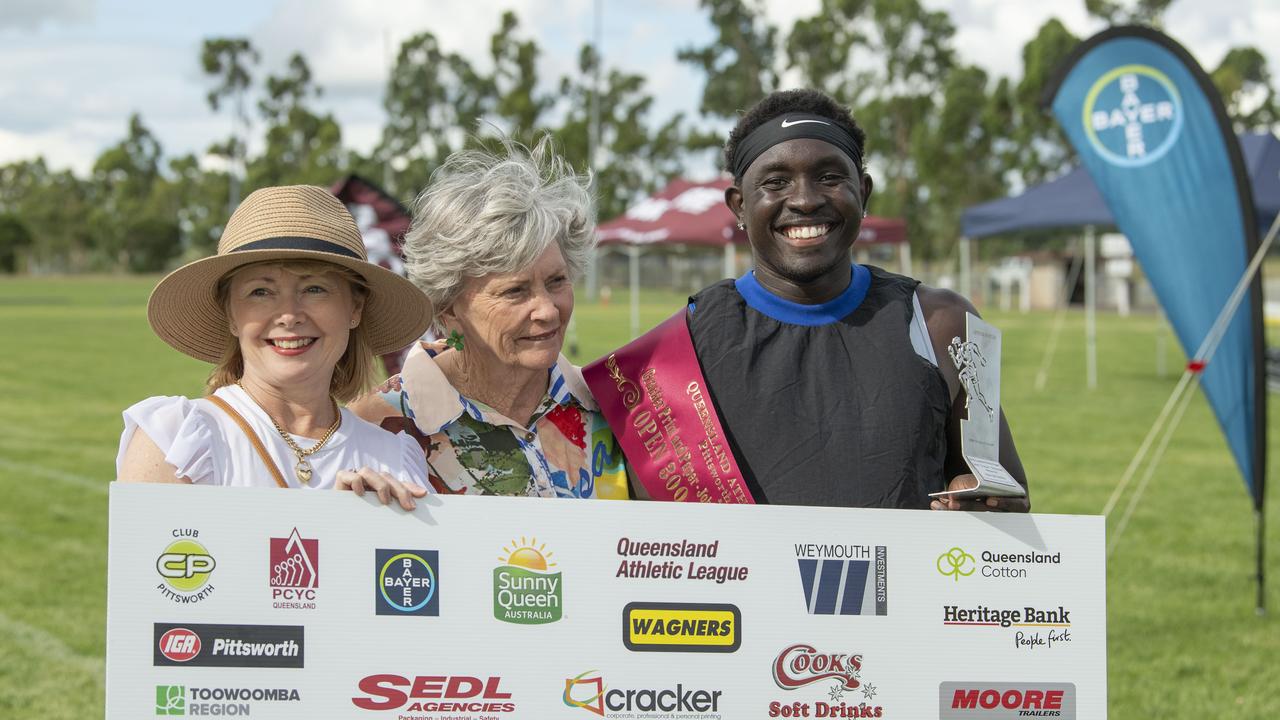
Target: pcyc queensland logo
185, 566
294, 572
1133, 115
408, 582
525, 590
956, 563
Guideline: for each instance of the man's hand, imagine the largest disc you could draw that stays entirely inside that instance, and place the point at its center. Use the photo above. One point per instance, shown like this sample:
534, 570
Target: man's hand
980, 504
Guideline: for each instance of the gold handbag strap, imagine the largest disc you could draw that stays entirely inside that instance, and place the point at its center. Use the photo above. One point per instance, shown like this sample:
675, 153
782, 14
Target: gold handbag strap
253, 438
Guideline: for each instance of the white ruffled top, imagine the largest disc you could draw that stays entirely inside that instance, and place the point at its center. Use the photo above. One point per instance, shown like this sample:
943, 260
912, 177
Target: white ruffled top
206, 445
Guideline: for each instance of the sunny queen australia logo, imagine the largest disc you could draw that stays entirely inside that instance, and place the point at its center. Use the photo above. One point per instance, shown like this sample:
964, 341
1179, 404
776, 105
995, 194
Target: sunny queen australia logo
1133, 115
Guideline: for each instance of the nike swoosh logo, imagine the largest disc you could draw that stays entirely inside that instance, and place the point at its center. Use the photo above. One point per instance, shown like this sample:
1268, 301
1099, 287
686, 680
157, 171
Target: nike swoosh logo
789, 123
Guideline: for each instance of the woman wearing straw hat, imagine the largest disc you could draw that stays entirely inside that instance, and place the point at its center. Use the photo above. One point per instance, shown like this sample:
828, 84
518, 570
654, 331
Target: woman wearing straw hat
291, 315
496, 242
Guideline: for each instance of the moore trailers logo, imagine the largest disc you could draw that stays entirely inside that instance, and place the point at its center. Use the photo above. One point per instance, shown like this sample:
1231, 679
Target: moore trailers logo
844, 579
1133, 115
1006, 701
202, 645
525, 590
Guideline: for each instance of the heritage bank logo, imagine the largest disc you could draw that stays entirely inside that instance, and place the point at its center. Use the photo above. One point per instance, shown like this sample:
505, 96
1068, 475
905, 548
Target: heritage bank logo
1133, 115
294, 572
185, 565
525, 591
843, 579
408, 582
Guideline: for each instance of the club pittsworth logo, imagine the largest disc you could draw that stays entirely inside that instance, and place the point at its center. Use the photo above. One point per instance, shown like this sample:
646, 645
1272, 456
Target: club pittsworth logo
201, 645
220, 701
434, 694
588, 691
185, 566
843, 579
802, 667
408, 582
676, 560
1133, 115
681, 627
956, 563
525, 591
294, 572
1033, 628
1006, 701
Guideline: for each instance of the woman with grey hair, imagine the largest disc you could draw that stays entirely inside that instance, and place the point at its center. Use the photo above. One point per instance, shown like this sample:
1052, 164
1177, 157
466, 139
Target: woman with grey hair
496, 243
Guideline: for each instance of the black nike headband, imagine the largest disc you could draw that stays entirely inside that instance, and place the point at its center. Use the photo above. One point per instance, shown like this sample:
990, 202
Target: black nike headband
793, 126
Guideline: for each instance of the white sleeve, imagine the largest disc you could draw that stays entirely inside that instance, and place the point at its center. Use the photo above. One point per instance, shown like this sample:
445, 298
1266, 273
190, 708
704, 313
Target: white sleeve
179, 429
413, 462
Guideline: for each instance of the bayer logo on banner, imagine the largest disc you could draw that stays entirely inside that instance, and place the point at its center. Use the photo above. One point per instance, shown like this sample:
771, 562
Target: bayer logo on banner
1132, 115
408, 582
841, 579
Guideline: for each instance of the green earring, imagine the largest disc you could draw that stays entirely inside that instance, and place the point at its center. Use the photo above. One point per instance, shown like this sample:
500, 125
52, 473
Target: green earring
454, 341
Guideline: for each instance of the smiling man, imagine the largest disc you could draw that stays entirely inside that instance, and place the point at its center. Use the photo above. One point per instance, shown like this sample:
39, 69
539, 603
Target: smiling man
824, 373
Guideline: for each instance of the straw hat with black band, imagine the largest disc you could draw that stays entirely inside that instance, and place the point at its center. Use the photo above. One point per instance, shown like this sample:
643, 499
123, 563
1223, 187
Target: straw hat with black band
293, 222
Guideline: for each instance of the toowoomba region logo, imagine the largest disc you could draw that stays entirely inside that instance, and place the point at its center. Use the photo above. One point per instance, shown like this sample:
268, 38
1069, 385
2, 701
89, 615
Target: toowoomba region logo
1133, 115
525, 590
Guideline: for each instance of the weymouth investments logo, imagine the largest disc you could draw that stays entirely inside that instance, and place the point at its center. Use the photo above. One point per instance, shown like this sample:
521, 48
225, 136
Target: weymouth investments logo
185, 566
844, 579
1133, 115
525, 590
294, 572
408, 582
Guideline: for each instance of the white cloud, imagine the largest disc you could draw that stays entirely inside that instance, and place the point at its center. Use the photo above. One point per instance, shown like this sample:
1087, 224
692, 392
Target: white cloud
33, 14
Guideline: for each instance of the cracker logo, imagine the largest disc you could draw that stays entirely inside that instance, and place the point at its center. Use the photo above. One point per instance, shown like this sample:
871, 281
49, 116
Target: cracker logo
525, 590
681, 627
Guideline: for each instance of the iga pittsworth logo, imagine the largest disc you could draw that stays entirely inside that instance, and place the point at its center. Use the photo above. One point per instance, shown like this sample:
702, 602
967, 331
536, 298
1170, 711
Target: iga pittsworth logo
222, 701
801, 667
262, 646
1132, 115
434, 694
842, 579
408, 582
525, 590
957, 563
681, 627
588, 691
1006, 701
294, 572
185, 566
1034, 628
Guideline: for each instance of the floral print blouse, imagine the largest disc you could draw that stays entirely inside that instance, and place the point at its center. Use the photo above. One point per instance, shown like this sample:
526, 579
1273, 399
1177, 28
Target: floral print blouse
567, 449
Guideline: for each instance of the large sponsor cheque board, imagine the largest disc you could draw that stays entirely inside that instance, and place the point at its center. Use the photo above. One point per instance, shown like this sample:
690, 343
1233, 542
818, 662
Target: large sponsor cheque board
270, 603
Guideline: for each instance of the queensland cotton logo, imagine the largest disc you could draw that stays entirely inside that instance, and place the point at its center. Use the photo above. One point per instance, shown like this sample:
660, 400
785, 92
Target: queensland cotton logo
1133, 115
525, 591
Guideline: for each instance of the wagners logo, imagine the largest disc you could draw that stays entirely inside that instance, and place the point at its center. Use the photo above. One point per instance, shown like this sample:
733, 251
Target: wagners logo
185, 566
525, 591
681, 627
226, 702
588, 691
1005, 701
407, 582
841, 579
294, 572
264, 646
1132, 115
434, 693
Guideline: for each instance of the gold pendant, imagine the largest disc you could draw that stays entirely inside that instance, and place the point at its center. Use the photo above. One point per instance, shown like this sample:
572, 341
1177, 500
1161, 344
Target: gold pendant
303, 471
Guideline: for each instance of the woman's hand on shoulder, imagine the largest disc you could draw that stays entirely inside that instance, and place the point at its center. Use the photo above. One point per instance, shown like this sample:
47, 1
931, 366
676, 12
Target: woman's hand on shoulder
372, 406
383, 484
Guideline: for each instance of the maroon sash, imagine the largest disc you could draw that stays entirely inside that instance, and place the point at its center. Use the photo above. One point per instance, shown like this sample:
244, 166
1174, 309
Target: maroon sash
654, 396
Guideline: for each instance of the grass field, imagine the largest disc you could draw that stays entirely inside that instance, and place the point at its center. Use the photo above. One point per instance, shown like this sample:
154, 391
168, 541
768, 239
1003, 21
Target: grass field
1184, 641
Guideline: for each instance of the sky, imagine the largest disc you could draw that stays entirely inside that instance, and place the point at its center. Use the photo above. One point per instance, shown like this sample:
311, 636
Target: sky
76, 69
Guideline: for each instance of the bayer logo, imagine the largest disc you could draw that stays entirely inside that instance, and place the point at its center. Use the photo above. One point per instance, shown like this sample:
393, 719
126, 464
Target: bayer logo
1133, 115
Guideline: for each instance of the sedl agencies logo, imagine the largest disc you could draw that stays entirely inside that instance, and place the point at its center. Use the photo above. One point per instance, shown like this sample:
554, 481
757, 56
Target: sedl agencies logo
185, 567
1132, 115
450, 694
588, 691
1006, 701
220, 701
525, 591
843, 579
294, 572
800, 666
408, 582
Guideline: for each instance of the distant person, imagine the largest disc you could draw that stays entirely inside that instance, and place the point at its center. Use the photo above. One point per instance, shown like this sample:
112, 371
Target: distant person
496, 243
825, 374
291, 315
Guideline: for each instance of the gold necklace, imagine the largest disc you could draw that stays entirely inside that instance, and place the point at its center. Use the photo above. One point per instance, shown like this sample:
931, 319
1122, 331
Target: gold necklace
303, 469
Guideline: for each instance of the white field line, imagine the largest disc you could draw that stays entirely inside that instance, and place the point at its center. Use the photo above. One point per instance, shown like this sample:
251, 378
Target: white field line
12, 471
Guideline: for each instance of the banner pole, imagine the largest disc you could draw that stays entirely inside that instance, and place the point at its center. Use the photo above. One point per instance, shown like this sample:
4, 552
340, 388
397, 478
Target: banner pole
1261, 555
